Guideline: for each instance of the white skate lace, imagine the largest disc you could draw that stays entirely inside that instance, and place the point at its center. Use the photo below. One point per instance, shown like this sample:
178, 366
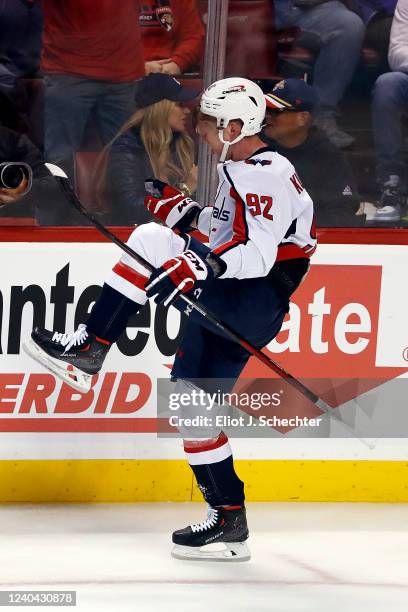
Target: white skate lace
68, 340
210, 521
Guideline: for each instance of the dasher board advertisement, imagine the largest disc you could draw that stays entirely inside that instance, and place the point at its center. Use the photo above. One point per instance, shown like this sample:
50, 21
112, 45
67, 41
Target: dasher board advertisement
346, 334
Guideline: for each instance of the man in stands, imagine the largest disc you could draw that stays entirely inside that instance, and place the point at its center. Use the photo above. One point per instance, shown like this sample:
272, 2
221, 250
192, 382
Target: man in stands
337, 33
172, 35
91, 58
322, 168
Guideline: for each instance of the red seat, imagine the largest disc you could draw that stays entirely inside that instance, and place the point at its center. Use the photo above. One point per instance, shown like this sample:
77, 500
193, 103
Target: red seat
251, 42
371, 57
287, 36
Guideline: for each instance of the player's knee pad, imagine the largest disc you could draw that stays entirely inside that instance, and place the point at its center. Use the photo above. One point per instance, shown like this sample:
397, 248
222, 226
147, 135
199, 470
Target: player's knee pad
155, 243
145, 238
194, 420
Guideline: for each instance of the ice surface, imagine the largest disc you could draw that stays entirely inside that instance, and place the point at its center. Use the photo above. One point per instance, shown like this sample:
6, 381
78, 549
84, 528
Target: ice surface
305, 557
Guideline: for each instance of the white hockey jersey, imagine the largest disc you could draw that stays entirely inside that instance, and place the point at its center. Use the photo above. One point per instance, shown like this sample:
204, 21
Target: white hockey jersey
261, 214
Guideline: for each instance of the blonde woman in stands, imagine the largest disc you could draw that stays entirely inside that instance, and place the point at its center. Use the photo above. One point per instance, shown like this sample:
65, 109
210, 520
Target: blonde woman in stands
154, 142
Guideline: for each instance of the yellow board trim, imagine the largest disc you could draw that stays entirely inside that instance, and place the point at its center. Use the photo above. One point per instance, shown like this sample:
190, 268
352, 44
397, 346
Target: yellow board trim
171, 480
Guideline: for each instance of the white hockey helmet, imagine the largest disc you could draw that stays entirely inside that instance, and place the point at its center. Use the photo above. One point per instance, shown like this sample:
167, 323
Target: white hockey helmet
235, 98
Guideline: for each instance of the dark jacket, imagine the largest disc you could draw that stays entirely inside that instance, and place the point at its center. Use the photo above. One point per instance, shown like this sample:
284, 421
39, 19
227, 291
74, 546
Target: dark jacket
327, 176
20, 39
128, 168
45, 201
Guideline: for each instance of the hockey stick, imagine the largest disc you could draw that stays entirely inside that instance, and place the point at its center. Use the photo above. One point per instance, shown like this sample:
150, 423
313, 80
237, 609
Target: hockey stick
70, 194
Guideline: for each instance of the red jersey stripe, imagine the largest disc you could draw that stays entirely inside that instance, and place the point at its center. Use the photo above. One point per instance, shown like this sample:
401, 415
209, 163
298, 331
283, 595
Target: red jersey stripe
131, 275
205, 445
293, 251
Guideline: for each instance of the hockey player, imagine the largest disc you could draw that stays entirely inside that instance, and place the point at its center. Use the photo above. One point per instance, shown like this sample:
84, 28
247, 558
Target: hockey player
261, 236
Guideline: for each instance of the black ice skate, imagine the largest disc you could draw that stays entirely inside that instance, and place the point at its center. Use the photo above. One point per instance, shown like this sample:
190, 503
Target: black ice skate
224, 525
75, 357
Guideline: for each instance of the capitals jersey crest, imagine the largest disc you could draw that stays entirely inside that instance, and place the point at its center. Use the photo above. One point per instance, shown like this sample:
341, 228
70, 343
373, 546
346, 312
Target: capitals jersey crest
261, 162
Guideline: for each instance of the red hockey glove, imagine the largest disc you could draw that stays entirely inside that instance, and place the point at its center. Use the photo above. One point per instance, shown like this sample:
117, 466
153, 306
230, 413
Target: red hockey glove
177, 275
170, 205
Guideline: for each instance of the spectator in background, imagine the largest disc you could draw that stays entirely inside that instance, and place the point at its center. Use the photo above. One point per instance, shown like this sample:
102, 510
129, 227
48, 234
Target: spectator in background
154, 142
390, 101
172, 34
321, 167
338, 33
91, 58
20, 41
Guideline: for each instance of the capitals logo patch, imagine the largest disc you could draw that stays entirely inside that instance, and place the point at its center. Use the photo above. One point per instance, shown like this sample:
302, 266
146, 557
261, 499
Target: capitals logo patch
261, 162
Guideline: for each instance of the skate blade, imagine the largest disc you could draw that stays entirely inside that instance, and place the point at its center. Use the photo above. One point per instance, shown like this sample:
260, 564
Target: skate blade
72, 376
232, 552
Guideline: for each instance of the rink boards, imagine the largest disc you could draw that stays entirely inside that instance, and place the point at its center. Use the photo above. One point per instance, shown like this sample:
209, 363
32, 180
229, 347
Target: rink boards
348, 320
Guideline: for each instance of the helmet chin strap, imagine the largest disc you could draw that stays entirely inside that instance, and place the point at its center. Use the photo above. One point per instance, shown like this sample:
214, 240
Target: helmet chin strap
227, 144
224, 152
